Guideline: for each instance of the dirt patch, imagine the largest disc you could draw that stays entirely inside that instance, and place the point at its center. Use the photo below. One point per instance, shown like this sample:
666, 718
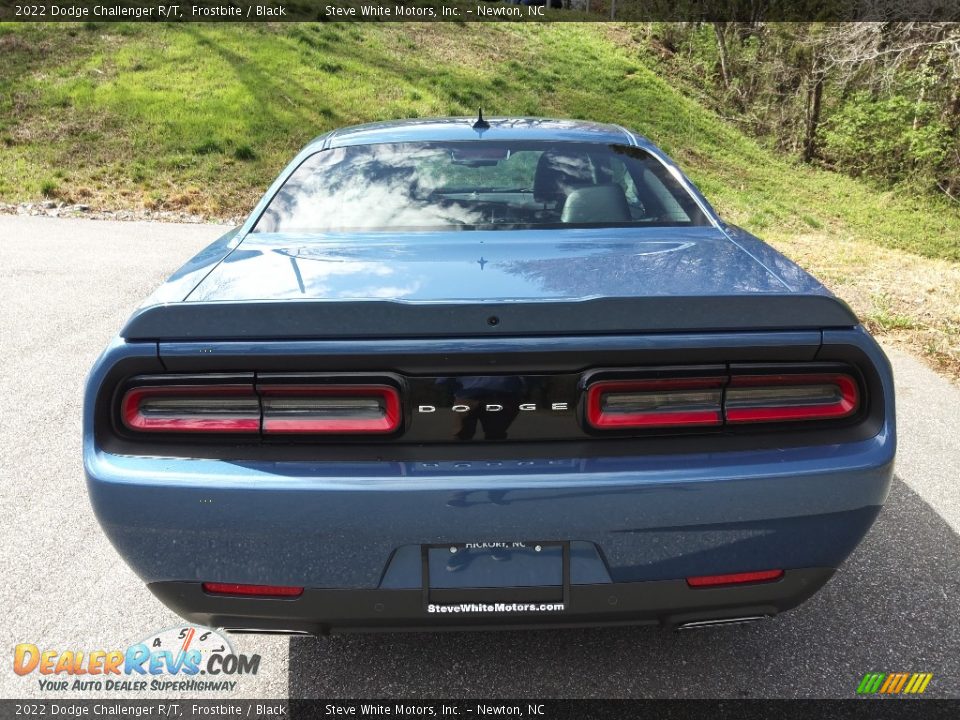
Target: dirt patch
910, 300
14, 43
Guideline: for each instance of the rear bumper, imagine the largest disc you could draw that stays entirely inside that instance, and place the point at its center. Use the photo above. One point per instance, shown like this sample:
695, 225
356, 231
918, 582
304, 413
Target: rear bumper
670, 603
638, 527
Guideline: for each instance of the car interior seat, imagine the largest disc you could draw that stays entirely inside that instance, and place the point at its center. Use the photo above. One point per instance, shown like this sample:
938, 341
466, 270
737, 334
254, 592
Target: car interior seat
558, 175
596, 204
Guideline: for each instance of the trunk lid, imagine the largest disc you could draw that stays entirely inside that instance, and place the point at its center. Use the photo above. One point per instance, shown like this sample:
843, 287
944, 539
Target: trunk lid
493, 282
489, 266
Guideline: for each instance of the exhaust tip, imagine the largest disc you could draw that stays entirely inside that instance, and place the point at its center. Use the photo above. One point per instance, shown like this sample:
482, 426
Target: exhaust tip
697, 624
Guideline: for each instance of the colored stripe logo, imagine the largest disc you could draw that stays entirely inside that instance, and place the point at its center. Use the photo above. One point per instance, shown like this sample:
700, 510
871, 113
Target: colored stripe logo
894, 683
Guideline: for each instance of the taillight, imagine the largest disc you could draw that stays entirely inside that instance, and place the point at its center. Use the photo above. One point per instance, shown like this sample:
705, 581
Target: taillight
273, 408
743, 578
320, 409
191, 408
779, 398
715, 401
655, 403
260, 591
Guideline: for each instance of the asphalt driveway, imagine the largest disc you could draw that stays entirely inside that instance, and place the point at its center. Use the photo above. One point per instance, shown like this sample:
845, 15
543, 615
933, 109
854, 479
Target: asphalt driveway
67, 285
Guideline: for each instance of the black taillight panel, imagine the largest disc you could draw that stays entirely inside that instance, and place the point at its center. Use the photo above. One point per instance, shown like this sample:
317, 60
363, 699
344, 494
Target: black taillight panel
715, 406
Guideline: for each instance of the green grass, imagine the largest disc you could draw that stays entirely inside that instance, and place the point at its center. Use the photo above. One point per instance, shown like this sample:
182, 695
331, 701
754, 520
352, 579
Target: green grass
204, 116
884, 318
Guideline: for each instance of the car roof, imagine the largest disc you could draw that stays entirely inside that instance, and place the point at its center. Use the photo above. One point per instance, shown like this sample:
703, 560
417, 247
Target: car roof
461, 128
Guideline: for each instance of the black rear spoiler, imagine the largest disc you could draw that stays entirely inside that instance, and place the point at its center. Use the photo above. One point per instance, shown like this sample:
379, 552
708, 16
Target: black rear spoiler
328, 319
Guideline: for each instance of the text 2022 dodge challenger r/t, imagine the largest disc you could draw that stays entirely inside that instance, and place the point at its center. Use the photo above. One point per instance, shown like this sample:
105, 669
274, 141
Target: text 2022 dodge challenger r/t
511, 372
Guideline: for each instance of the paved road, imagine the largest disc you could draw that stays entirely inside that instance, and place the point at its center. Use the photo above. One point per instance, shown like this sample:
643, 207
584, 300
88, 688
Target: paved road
67, 285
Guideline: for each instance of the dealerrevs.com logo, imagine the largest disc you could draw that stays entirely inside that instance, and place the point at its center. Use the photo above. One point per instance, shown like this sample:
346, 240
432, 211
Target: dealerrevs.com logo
187, 658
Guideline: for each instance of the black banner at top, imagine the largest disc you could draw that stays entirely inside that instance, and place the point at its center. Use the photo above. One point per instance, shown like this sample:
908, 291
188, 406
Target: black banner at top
478, 10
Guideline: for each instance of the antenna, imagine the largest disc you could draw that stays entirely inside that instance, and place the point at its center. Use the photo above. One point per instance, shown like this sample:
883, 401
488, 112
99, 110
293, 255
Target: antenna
481, 124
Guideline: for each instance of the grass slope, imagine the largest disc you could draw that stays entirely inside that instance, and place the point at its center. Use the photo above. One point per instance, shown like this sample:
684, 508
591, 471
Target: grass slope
202, 117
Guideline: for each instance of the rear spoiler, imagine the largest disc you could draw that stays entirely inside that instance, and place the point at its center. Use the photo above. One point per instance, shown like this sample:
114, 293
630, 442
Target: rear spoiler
338, 319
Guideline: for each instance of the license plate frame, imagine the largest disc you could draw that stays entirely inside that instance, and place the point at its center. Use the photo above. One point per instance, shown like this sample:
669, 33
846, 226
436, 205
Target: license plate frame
493, 594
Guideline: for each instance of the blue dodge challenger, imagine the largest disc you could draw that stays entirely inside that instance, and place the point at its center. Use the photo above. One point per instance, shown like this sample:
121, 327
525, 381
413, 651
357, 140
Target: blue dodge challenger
486, 374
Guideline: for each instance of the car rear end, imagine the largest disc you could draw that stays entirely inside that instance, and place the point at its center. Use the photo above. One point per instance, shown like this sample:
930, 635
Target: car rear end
599, 405
317, 485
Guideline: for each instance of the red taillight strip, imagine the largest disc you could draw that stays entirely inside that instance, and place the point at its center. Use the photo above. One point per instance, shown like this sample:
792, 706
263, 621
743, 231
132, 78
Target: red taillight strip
241, 420
745, 403
745, 399
734, 578
599, 418
261, 591
387, 420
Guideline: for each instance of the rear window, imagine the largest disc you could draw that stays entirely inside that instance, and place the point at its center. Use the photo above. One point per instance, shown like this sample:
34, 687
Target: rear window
478, 185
